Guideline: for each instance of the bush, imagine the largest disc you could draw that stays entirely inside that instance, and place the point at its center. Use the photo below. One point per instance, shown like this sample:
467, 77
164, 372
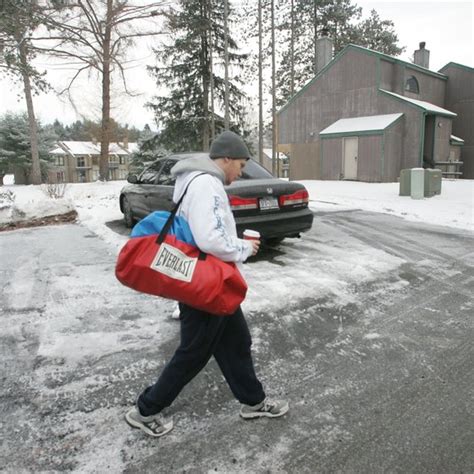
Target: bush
54, 190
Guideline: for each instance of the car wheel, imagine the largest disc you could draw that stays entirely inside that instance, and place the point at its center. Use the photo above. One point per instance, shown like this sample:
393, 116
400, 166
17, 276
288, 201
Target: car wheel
127, 213
274, 241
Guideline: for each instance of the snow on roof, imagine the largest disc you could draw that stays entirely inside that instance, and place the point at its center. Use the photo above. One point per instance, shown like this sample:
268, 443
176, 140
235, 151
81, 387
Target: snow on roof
369, 123
90, 148
428, 106
456, 139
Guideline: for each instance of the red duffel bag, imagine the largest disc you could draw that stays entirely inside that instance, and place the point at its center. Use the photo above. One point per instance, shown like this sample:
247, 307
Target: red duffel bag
164, 266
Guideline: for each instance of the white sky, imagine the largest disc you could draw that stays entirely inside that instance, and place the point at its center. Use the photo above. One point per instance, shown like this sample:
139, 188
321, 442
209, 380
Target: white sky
446, 27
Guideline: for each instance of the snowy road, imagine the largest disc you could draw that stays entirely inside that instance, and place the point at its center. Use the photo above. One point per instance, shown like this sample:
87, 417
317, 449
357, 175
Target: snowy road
365, 324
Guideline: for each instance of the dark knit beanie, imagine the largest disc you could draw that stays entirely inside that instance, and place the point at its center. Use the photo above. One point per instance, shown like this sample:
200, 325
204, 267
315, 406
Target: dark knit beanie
229, 145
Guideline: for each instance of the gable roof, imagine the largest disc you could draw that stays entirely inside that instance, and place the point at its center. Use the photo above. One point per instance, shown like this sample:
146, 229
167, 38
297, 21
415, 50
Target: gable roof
421, 104
367, 51
90, 148
459, 66
360, 125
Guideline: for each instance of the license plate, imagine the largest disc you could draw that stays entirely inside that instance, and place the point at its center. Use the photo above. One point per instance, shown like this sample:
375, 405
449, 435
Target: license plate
268, 203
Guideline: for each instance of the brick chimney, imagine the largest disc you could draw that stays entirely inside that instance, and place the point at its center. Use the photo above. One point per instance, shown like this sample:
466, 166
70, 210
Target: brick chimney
422, 56
324, 50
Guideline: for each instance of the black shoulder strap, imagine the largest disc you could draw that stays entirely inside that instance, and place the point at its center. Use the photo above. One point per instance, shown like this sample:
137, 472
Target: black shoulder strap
169, 222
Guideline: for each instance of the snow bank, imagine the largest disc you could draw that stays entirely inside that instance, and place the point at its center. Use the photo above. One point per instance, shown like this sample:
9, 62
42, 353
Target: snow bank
97, 203
454, 207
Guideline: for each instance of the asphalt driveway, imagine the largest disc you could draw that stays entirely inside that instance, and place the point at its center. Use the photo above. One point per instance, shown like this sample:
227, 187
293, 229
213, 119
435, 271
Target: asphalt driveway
383, 383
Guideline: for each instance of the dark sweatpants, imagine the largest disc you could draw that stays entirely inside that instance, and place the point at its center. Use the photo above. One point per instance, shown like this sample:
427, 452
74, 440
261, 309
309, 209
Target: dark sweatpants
227, 338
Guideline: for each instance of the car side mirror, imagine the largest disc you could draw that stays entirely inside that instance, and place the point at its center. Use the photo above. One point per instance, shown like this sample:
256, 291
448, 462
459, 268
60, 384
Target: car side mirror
132, 179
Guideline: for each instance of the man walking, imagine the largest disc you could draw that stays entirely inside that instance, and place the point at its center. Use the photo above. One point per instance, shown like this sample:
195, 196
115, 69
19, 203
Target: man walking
227, 338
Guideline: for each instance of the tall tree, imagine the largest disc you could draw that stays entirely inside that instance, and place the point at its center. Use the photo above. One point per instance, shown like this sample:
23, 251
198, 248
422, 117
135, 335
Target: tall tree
274, 131
184, 67
377, 34
341, 20
260, 82
18, 21
97, 34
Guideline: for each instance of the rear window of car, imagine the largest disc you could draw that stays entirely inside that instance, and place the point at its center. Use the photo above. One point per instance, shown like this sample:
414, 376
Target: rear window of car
253, 170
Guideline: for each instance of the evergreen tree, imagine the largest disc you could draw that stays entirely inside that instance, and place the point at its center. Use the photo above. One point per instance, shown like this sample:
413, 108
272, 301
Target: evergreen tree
377, 34
184, 115
340, 20
15, 144
149, 150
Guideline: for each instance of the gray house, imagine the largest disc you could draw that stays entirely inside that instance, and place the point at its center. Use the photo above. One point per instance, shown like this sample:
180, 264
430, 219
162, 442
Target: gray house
367, 115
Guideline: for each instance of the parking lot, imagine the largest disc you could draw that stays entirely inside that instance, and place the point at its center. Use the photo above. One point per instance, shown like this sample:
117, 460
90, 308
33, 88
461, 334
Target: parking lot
365, 325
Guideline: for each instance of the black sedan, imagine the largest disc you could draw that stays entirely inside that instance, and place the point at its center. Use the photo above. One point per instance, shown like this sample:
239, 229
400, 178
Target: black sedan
275, 208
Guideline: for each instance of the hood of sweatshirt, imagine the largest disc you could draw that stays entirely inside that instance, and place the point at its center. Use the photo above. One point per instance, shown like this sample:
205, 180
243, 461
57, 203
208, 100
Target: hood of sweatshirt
198, 162
187, 168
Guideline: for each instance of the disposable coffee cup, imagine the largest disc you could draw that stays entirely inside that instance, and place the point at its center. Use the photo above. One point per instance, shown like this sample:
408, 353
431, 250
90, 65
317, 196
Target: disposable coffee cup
250, 234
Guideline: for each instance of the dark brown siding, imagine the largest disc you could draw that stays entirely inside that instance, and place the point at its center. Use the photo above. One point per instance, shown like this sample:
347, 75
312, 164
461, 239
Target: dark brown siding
412, 123
369, 161
392, 151
306, 165
331, 165
432, 89
347, 89
441, 139
460, 99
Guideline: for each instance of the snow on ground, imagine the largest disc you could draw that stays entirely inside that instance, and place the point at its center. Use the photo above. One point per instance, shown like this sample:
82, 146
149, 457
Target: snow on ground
454, 207
327, 263
97, 204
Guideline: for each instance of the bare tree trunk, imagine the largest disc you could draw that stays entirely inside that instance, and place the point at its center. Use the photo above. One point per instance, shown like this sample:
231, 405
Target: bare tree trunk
35, 176
105, 138
205, 80
226, 65
211, 76
274, 137
260, 85
292, 50
315, 22
211, 83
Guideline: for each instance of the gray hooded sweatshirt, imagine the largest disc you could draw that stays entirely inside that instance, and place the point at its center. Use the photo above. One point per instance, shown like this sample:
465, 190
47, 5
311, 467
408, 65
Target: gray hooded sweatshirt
207, 210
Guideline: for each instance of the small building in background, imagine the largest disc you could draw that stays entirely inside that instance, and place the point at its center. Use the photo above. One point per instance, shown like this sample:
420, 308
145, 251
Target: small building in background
78, 161
367, 115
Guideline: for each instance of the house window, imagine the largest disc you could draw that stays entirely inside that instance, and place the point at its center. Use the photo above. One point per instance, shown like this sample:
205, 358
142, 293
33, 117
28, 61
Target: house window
412, 85
113, 158
59, 160
60, 177
81, 161
123, 160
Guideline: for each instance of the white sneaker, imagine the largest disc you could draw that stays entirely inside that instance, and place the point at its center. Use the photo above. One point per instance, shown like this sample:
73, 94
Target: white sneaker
154, 425
268, 408
176, 313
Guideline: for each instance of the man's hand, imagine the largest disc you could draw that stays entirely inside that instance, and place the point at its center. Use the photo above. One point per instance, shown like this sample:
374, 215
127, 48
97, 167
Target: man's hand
255, 246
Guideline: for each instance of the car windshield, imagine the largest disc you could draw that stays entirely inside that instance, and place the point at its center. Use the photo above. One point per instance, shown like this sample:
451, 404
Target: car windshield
253, 170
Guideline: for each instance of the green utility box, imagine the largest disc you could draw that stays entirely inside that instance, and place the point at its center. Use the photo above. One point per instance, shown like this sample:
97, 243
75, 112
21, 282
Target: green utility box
432, 182
405, 182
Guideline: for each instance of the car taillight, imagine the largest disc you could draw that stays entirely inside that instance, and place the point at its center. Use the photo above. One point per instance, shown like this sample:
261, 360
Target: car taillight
237, 203
300, 197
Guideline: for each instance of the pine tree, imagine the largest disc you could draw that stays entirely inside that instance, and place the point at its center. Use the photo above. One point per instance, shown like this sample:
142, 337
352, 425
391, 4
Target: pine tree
340, 18
15, 145
184, 115
377, 34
